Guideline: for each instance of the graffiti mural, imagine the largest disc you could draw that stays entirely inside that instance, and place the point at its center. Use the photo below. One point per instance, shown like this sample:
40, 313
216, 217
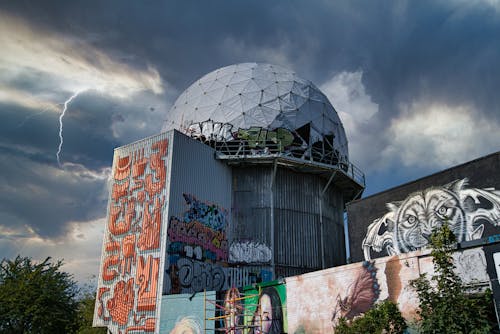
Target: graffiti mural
249, 252
360, 295
316, 301
408, 224
256, 137
198, 251
129, 279
259, 309
187, 313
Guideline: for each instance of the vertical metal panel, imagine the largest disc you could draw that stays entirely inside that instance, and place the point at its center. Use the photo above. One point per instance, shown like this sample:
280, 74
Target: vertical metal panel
251, 204
196, 171
130, 279
198, 182
297, 234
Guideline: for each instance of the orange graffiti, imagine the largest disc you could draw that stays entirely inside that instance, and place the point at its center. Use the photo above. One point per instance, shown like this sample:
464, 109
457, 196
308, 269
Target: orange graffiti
123, 226
141, 196
110, 261
151, 226
122, 170
147, 279
139, 164
158, 166
149, 326
122, 302
112, 246
119, 190
100, 310
128, 251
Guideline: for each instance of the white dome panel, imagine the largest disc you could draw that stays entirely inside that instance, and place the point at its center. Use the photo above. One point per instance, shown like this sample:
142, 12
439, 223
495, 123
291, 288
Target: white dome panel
258, 95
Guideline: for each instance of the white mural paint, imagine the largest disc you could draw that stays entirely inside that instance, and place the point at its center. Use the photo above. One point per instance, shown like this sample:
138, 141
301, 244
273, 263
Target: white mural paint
249, 252
409, 224
471, 266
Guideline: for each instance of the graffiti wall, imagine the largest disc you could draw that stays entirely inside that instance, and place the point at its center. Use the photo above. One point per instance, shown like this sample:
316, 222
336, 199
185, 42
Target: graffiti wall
316, 301
129, 286
256, 137
198, 250
253, 309
187, 313
402, 219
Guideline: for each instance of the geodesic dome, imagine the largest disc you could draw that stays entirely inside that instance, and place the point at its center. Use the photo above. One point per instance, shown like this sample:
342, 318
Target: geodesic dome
263, 104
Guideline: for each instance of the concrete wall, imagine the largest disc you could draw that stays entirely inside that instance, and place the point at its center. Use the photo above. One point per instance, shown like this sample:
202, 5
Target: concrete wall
313, 303
316, 301
400, 219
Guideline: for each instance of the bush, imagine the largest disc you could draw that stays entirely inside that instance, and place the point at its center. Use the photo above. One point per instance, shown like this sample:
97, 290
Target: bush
384, 317
445, 307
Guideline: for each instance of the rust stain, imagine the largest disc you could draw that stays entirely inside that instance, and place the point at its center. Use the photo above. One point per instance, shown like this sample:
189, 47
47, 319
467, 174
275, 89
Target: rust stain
393, 279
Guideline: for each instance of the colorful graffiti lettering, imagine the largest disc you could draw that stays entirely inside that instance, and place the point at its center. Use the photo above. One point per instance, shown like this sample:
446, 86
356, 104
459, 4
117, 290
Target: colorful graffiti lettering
259, 137
210, 131
190, 275
130, 272
198, 250
209, 215
195, 233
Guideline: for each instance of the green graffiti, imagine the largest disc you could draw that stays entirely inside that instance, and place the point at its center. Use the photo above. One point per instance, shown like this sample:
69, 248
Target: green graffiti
259, 137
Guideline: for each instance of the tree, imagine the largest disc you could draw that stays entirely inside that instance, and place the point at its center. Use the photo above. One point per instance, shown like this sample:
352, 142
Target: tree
86, 314
384, 317
36, 297
445, 306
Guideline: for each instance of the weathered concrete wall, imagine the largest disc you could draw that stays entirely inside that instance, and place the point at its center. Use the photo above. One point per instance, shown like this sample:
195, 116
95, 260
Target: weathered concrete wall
316, 301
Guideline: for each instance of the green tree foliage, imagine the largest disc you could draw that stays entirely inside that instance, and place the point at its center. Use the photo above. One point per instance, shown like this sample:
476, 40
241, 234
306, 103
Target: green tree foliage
384, 317
86, 314
445, 307
36, 297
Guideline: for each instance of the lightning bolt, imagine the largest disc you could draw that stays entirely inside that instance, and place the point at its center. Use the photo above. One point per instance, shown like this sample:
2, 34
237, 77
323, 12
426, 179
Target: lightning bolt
61, 139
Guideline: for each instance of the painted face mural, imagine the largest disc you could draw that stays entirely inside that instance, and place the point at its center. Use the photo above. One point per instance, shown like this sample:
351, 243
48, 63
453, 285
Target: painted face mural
233, 312
409, 224
187, 325
252, 310
268, 316
360, 296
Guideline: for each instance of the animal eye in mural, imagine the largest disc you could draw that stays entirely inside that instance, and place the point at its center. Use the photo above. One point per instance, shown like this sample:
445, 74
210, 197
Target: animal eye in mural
360, 296
408, 225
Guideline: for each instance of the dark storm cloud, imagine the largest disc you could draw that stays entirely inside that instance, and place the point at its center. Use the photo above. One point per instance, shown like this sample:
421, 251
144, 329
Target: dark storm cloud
44, 199
407, 51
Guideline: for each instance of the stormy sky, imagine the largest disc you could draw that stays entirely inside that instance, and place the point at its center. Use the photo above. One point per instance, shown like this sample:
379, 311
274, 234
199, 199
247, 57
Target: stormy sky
416, 84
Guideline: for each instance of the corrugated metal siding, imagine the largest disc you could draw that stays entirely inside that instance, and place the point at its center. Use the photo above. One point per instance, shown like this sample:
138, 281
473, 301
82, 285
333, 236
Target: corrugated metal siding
138, 243
196, 172
297, 221
333, 227
297, 228
251, 204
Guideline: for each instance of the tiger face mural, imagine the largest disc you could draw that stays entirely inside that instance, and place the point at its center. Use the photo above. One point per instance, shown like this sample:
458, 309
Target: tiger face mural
408, 225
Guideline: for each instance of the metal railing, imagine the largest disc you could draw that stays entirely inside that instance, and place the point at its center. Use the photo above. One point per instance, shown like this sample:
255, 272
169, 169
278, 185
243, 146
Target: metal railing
244, 149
